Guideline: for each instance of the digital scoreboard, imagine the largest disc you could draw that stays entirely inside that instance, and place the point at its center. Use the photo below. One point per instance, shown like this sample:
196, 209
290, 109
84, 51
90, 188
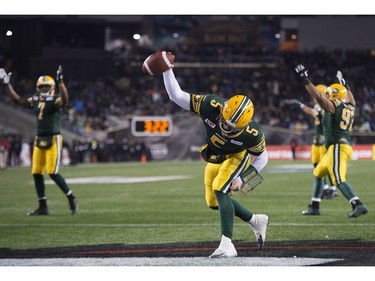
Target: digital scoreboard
144, 126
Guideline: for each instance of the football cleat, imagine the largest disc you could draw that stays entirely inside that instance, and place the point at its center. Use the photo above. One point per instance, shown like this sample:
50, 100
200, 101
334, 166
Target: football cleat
258, 224
329, 194
358, 211
39, 212
229, 251
311, 212
73, 203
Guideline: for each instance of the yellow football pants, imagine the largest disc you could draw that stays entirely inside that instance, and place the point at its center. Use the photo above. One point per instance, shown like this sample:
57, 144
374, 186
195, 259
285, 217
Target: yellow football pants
335, 163
47, 160
219, 176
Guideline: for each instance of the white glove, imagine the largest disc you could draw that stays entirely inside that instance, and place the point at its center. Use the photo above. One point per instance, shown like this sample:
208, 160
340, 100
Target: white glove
4, 77
59, 74
340, 78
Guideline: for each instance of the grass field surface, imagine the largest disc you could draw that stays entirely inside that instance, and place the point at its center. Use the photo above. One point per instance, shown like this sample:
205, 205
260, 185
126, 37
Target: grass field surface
163, 202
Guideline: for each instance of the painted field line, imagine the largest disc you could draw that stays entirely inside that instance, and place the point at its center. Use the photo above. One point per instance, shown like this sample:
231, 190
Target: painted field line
173, 224
195, 261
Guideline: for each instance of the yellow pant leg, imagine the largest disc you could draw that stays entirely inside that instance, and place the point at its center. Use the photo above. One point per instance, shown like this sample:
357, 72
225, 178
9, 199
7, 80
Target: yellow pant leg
219, 176
317, 153
335, 163
38, 160
48, 160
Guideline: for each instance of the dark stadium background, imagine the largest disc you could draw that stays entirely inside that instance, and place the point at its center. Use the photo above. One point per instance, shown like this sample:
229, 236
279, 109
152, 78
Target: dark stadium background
255, 54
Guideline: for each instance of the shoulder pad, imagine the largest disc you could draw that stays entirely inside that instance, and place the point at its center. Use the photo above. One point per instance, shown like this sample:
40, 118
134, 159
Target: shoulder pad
258, 148
336, 102
349, 106
196, 101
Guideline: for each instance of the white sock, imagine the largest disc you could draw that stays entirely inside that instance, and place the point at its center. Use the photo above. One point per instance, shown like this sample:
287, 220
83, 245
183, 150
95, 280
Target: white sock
225, 241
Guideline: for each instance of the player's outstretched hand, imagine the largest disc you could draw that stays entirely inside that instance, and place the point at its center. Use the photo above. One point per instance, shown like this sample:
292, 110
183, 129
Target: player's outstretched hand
341, 79
302, 74
59, 74
4, 77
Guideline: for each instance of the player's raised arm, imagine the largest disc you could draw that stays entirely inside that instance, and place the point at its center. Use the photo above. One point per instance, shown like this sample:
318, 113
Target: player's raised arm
324, 102
174, 91
62, 87
5, 80
349, 96
305, 108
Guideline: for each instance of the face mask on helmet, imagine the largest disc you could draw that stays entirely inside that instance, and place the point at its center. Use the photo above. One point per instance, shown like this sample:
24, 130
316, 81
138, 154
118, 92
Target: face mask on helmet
337, 91
45, 86
236, 114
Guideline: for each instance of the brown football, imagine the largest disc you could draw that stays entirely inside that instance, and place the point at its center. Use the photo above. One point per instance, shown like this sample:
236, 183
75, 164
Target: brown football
158, 63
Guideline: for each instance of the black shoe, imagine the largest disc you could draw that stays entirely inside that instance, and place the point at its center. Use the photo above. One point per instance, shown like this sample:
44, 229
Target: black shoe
39, 212
358, 211
311, 212
73, 203
329, 194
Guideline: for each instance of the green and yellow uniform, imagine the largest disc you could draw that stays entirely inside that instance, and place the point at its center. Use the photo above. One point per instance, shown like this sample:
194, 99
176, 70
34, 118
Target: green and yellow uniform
228, 157
337, 128
48, 141
47, 107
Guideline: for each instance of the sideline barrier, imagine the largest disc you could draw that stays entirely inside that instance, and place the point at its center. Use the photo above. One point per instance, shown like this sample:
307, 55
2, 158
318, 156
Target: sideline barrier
283, 152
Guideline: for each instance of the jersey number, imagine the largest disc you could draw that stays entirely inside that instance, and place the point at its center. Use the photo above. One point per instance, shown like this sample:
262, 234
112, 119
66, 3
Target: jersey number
252, 131
41, 106
347, 120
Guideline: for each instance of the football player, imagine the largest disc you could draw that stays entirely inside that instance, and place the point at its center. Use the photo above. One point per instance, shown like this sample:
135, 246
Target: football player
338, 116
47, 106
318, 148
235, 152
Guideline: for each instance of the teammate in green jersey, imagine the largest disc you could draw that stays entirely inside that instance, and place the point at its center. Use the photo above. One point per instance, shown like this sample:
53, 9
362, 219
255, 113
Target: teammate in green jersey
47, 106
338, 115
318, 148
235, 153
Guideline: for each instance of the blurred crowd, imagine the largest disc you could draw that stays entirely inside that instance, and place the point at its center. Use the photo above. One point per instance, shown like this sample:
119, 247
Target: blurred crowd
133, 92
129, 91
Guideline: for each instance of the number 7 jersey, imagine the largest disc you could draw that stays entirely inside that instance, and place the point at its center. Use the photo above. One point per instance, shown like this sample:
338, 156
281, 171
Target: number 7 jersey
47, 111
209, 108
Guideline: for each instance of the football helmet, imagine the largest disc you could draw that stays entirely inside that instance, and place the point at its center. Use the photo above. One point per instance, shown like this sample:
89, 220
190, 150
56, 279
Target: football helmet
236, 114
337, 91
45, 86
321, 88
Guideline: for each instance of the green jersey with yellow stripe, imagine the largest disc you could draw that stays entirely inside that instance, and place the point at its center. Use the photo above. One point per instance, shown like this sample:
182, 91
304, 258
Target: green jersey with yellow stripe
337, 126
47, 111
209, 108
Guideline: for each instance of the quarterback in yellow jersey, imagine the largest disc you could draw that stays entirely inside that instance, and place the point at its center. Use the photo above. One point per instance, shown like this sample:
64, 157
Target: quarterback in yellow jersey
338, 116
235, 153
47, 106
